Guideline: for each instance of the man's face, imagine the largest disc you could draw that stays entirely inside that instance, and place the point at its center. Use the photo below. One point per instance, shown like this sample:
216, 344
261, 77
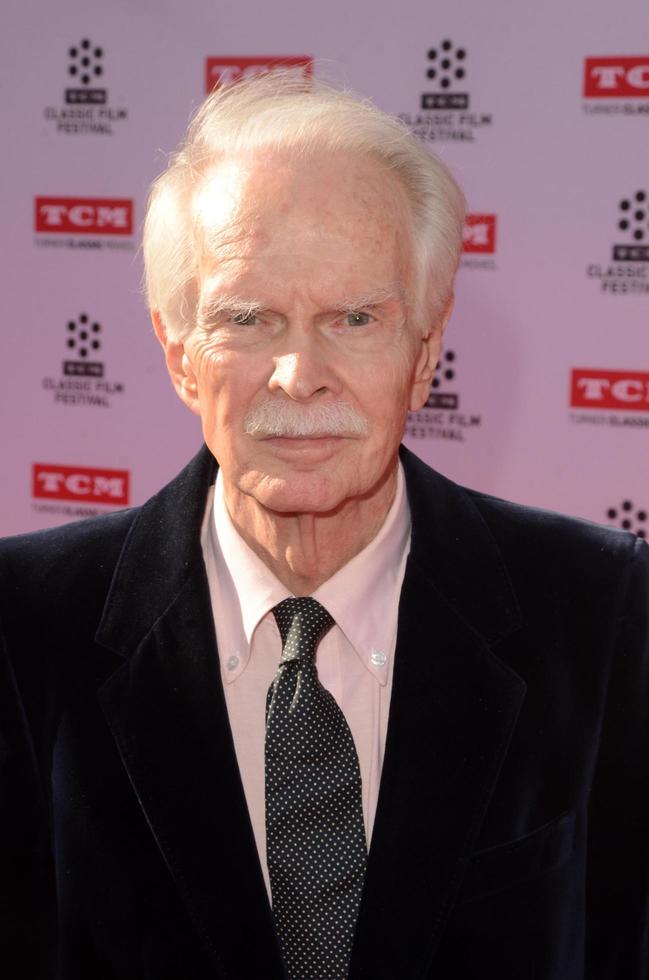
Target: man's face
302, 310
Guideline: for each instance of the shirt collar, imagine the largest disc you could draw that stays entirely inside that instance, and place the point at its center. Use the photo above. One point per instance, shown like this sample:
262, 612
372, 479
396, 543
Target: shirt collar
362, 596
258, 590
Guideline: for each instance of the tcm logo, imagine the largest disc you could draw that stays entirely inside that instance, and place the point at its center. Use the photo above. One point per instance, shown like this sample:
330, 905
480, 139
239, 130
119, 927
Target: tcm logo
616, 78
480, 233
621, 390
83, 215
53, 482
224, 71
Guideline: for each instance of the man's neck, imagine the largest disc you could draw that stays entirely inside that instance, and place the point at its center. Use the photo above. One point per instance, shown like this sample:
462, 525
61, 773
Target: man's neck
305, 550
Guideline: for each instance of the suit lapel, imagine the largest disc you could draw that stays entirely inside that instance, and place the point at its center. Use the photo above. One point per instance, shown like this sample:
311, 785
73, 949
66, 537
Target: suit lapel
453, 709
166, 709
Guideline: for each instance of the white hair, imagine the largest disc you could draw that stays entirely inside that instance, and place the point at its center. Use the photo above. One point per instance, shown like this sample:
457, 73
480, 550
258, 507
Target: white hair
274, 417
284, 110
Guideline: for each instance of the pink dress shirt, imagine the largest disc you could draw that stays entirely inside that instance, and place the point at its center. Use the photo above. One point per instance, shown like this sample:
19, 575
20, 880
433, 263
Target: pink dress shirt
354, 660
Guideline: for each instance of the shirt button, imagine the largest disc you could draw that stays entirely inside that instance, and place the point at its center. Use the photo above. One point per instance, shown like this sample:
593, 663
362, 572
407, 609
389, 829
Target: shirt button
378, 659
233, 663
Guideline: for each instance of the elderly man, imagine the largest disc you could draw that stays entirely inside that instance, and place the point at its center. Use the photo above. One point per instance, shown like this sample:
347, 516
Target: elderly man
314, 711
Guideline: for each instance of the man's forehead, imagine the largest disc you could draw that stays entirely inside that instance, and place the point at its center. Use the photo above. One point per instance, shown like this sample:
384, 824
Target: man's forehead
247, 187
332, 232
219, 197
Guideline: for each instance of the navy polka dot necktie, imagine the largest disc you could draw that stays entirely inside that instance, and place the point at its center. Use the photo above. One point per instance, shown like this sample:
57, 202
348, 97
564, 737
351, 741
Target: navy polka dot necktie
316, 848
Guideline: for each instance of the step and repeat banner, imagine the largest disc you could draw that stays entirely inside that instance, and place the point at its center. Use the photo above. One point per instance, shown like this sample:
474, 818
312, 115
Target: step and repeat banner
541, 111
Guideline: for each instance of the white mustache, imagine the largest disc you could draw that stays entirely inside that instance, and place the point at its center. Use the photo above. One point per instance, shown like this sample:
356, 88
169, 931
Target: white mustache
278, 418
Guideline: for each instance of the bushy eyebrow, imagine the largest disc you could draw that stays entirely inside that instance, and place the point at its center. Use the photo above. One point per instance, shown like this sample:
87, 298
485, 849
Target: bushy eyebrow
355, 303
239, 306
235, 305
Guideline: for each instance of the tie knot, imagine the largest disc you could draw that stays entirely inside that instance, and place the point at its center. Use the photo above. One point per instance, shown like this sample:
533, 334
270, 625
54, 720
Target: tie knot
302, 623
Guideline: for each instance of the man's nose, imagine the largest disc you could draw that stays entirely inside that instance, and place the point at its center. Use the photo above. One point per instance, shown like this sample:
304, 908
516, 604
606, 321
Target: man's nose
302, 374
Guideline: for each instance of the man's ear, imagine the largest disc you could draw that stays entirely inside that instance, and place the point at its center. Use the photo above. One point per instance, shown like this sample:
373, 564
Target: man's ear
427, 359
179, 365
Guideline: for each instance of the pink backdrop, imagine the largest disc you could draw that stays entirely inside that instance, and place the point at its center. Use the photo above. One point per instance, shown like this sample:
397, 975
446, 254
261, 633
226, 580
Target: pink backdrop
542, 112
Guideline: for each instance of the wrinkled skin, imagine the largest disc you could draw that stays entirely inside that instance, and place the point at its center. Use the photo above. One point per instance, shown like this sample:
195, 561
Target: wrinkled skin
304, 277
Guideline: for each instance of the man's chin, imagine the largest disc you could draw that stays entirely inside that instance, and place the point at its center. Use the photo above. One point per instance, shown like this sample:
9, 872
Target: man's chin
297, 493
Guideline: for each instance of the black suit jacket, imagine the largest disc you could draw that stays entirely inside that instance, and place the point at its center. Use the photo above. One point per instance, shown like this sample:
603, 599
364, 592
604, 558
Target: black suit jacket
512, 832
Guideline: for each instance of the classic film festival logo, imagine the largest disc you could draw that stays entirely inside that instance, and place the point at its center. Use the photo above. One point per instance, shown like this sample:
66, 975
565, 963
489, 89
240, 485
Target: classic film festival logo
615, 398
628, 268
83, 222
616, 84
79, 491
479, 242
82, 380
225, 70
86, 107
628, 517
441, 418
446, 111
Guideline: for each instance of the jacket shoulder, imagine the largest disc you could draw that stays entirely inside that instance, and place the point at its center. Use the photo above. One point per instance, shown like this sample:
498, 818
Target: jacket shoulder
479, 545
559, 562
535, 533
540, 533
42, 567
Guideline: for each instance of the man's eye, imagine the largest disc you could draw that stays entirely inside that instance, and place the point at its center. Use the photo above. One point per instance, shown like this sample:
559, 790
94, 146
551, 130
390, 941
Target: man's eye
358, 319
245, 319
